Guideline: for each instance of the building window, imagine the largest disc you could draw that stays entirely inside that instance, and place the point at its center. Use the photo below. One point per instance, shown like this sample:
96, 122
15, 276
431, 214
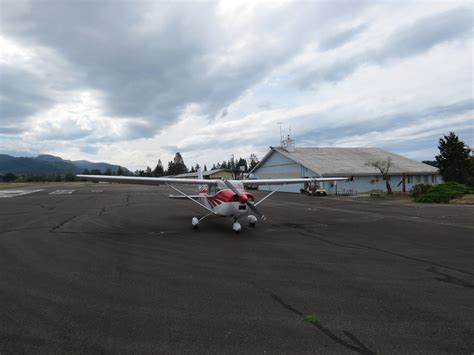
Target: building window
418, 179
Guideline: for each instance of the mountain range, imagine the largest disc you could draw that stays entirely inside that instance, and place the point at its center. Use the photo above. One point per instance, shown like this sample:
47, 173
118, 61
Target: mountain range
49, 164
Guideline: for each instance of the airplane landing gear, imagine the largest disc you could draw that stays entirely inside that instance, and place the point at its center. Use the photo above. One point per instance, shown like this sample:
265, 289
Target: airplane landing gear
195, 222
236, 227
252, 220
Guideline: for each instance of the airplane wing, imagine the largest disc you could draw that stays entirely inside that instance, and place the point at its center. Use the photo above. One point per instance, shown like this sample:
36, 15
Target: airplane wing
290, 181
147, 180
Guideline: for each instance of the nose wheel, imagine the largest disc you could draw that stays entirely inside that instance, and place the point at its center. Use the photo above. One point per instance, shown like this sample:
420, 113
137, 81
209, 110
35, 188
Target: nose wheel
236, 227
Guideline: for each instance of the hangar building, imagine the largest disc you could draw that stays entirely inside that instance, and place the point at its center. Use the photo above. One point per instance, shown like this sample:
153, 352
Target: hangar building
292, 162
209, 174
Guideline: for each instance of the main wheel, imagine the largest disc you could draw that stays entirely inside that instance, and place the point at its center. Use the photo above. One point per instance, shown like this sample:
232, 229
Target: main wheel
252, 220
195, 222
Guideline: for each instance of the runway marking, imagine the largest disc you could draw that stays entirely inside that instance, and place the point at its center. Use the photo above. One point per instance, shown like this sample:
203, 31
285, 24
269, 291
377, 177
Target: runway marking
14, 193
61, 192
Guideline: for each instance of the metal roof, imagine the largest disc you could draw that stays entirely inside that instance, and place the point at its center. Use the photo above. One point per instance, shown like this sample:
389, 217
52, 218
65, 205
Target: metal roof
204, 173
350, 161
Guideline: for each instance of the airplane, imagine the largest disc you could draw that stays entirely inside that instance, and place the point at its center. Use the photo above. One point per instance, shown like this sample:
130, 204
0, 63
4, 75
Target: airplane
224, 198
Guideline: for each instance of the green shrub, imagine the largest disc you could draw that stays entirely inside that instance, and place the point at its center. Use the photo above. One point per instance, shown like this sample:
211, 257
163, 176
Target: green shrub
443, 193
420, 189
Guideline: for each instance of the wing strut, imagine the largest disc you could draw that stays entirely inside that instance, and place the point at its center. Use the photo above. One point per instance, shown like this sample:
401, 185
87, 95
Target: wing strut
267, 196
192, 199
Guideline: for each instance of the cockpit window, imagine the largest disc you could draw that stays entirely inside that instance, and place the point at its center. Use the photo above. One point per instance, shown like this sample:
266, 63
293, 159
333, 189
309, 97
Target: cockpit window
213, 189
238, 185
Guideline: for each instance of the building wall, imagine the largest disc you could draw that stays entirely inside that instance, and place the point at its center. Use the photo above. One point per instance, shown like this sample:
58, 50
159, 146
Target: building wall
368, 183
278, 166
220, 175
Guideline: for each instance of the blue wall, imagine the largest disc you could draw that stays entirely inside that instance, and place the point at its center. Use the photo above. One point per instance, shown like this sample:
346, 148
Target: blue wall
278, 166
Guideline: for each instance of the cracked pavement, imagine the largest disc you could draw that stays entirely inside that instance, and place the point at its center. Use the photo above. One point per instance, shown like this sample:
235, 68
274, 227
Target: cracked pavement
121, 270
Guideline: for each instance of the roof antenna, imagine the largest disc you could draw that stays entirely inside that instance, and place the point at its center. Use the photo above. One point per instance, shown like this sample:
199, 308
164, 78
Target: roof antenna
281, 132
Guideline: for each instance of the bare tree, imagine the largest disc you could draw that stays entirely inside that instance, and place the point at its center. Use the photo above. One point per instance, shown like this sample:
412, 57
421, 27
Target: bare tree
384, 167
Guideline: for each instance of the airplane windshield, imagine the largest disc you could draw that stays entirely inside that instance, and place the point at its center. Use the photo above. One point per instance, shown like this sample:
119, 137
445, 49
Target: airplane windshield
238, 185
213, 189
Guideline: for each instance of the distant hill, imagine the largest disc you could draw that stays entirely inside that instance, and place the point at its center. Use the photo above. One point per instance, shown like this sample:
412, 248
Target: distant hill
84, 164
49, 164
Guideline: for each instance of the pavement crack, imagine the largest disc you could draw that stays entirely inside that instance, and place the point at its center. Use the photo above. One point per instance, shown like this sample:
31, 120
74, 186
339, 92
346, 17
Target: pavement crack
414, 259
306, 231
359, 347
62, 223
449, 279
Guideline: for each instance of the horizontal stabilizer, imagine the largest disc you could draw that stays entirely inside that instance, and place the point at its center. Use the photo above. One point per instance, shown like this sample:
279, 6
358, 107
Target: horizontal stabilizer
182, 197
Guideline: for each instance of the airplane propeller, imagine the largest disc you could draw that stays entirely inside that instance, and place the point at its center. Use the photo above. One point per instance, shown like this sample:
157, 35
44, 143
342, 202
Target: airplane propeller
254, 208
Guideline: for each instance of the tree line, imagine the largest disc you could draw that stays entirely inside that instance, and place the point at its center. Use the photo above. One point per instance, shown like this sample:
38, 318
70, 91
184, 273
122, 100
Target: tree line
454, 161
177, 166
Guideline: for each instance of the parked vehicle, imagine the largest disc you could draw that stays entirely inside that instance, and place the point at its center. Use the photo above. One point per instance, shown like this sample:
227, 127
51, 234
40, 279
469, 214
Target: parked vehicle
313, 189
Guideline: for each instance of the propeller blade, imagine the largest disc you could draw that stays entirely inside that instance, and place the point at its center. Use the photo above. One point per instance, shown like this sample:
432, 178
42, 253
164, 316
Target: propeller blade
232, 187
257, 211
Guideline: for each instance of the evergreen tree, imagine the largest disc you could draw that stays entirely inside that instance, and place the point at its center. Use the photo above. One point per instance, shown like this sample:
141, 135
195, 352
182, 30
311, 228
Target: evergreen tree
242, 162
205, 168
454, 161
159, 171
119, 171
430, 162
148, 171
197, 167
177, 166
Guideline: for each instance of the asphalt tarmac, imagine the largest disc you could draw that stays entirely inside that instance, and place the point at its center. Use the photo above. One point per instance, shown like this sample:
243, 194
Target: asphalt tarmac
119, 269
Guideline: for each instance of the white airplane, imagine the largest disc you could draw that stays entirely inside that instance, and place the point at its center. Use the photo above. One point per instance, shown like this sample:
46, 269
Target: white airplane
225, 198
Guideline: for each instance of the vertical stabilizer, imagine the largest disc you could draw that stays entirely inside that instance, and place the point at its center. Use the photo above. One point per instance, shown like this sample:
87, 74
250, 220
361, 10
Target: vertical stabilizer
202, 189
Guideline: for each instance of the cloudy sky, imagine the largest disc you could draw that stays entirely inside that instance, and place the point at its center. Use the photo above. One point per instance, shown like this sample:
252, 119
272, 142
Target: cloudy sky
129, 82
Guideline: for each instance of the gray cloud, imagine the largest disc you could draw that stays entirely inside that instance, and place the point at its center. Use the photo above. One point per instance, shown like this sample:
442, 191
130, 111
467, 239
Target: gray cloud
427, 33
151, 60
340, 38
21, 94
388, 123
411, 40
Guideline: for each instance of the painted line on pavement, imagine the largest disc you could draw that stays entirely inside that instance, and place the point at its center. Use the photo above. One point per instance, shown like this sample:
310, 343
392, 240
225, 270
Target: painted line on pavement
14, 193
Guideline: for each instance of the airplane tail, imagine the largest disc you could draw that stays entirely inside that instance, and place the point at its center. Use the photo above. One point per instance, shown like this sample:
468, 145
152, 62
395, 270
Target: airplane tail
202, 189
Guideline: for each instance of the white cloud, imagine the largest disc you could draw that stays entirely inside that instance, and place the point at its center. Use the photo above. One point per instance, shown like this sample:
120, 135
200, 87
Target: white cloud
154, 77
